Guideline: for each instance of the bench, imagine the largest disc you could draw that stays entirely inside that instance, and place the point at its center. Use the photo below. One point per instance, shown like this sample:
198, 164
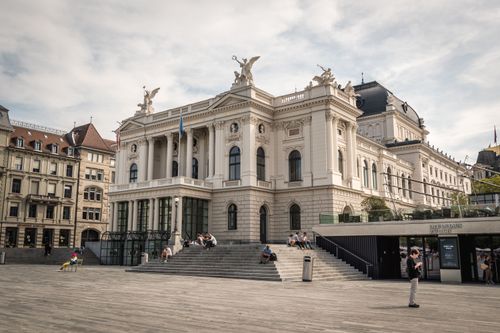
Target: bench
74, 267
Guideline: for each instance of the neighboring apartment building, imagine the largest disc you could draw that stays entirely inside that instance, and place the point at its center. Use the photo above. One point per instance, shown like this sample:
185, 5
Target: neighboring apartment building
54, 184
488, 163
96, 172
254, 167
40, 193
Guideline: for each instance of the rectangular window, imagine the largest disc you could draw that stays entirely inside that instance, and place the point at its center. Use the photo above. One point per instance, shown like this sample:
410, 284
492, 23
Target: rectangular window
66, 213
30, 237
67, 191
113, 175
112, 162
14, 209
37, 145
18, 163
36, 166
89, 157
20, 143
64, 237
32, 211
122, 216
70, 151
16, 185
92, 214
100, 158
142, 215
35, 187
51, 189
49, 213
54, 148
69, 171
53, 168
100, 175
165, 211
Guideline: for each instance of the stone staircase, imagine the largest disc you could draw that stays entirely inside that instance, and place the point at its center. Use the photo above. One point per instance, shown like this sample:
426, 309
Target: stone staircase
36, 256
242, 262
326, 266
227, 261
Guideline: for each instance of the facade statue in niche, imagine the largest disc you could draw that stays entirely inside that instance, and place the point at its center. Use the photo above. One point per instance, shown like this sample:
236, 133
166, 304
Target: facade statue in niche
234, 128
133, 148
261, 129
147, 105
325, 78
245, 77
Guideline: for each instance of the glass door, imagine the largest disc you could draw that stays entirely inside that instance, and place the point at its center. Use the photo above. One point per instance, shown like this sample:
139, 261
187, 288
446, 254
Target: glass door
431, 258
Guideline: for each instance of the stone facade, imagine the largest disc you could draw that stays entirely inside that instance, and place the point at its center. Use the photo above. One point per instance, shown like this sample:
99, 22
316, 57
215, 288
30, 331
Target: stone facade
275, 159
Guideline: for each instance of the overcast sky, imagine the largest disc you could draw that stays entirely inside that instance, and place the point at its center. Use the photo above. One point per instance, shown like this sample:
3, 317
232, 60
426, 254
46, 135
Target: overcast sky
64, 61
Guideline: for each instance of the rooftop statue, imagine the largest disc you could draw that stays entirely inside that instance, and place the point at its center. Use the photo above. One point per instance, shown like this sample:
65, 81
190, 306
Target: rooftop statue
147, 105
325, 78
349, 90
245, 77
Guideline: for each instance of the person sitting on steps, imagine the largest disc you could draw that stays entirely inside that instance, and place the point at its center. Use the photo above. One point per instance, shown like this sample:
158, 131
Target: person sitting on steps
166, 254
210, 241
265, 255
290, 241
307, 243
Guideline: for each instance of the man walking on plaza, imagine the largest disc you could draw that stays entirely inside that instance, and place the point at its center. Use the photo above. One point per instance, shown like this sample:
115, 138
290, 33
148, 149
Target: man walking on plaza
413, 274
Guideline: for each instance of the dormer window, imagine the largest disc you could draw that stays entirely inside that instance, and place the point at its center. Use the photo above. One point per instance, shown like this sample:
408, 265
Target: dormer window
37, 145
71, 152
54, 148
20, 143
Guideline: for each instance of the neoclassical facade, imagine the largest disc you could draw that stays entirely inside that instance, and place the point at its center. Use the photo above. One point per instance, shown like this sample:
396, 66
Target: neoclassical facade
253, 167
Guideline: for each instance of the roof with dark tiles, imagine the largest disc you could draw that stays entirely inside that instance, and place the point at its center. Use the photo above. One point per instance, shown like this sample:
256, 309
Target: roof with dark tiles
373, 100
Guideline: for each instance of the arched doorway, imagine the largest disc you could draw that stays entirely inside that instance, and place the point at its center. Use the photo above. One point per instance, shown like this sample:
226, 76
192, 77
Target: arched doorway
346, 214
263, 224
89, 235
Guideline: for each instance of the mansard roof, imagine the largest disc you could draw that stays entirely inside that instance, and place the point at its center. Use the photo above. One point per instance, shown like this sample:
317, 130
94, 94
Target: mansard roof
30, 135
373, 99
87, 136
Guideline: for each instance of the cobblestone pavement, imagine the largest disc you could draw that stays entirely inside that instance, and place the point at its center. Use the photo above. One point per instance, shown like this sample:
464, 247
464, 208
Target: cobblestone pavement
106, 299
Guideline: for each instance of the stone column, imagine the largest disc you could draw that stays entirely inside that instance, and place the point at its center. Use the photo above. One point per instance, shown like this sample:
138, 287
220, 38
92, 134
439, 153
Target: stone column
178, 225
329, 141
130, 217
211, 151
335, 148
349, 151
115, 217
156, 214
151, 160
219, 149
170, 154
189, 153
142, 160
354, 147
134, 215
151, 214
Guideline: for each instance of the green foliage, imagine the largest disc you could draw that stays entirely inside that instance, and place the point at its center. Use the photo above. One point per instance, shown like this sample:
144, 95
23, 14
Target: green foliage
459, 198
492, 187
377, 209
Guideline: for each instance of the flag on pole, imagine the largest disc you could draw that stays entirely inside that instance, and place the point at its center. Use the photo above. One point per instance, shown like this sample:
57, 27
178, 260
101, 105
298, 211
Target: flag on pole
495, 133
181, 127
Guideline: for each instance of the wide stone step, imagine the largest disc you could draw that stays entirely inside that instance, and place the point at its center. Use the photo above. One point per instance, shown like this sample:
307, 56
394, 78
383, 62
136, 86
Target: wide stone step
229, 276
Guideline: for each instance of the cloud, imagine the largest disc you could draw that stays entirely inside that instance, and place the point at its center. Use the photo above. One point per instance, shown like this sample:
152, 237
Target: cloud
62, 62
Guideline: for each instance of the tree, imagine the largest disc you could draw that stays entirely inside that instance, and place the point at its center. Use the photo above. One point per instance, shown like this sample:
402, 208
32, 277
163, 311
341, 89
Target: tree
487, 185
376, 208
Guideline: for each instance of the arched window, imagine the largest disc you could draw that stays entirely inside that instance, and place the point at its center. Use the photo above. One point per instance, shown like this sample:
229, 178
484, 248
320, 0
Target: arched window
175, 169
232, 217
294, 166
133, 173
92, 194
261, 164
294, 217
195, 169
425, 188
374, 176
365, 174
389, 179
403, 184
409, 187
341, 163
234, 163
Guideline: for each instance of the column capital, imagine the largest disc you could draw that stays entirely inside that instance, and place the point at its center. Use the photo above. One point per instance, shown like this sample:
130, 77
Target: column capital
219, 124
169, 135
329, 115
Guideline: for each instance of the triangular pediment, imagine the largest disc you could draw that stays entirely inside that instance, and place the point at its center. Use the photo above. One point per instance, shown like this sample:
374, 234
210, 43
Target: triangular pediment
130, 125
229, 99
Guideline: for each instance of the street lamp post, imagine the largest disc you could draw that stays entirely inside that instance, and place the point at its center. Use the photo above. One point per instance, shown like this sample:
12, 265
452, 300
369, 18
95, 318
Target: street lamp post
177, 236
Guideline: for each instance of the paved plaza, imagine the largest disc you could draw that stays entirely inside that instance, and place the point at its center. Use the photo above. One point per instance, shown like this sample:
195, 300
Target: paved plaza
106, 299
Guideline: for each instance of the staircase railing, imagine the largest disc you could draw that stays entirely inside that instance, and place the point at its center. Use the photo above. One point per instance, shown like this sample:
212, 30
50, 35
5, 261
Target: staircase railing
344, 254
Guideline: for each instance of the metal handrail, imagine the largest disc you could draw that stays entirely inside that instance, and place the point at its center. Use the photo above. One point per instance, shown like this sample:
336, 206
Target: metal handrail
368, 264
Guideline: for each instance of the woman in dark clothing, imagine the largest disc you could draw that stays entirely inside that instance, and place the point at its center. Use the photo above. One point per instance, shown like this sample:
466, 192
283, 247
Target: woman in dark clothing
413, 274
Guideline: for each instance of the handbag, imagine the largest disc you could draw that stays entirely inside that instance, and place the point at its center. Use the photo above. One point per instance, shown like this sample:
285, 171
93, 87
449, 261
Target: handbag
483, 266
